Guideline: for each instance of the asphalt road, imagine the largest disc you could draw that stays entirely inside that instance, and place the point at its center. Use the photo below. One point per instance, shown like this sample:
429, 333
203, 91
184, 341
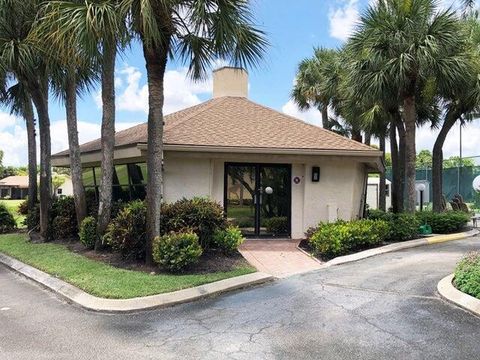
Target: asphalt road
385, 307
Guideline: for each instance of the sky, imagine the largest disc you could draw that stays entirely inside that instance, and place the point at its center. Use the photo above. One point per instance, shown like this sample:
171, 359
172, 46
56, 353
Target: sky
293, 29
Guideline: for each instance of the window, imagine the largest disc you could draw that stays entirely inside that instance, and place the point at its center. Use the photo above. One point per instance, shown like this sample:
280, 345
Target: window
59, 191
128, 182
387, 190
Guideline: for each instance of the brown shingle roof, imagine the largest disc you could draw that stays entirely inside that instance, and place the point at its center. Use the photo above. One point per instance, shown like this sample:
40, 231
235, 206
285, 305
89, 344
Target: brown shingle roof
235, 122
15, 181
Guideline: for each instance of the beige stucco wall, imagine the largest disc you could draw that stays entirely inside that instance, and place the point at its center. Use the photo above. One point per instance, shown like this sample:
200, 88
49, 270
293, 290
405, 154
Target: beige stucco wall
338, 195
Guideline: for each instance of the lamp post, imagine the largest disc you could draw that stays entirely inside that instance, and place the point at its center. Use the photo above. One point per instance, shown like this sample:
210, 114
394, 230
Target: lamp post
421, 187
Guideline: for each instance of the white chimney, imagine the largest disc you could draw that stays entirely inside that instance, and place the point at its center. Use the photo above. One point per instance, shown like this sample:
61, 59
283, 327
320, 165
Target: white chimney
230, 81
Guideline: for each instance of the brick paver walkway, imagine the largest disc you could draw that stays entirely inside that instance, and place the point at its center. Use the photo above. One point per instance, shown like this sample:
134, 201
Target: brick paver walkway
279, 258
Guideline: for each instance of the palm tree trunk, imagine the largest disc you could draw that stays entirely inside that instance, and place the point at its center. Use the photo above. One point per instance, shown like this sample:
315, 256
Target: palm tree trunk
156, 61
368, 138
382, 200
74, 147
325, 119
401, 163
437, 162
40, 99
32, 155
410, 152
395, 173
107, 141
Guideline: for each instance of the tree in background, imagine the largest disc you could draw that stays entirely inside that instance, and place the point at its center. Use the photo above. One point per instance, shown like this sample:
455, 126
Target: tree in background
407, 44
20, 57
316, 83
17, 98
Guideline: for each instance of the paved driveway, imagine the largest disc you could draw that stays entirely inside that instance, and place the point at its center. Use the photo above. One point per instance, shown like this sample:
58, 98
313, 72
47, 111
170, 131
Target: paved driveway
384, 307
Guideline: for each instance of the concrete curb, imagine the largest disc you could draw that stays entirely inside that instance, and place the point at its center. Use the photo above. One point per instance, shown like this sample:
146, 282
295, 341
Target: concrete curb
90, 302
398, 246
452, 294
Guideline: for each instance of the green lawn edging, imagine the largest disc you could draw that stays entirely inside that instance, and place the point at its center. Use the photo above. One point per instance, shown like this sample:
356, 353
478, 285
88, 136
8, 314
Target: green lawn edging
100, 279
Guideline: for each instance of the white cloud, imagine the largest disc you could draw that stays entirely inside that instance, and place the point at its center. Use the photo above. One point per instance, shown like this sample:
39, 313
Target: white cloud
343, 18
470, 134
180, 92
311, 116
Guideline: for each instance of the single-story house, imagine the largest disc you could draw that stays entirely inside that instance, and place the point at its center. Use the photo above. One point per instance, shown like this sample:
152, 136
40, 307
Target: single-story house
274, 174
373, 193
16, 187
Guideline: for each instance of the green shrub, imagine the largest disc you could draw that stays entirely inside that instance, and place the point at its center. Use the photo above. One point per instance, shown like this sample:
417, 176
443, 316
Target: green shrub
127, 231
402, 227
7, 221
467, 275
23, 207
200, 215
32, 220
445, 222
229, 239
341, 237
63, 218
277, 225
88, 232
176, 251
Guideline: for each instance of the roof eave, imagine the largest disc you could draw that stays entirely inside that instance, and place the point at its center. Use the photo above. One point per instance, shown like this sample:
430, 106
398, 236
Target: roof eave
266, 150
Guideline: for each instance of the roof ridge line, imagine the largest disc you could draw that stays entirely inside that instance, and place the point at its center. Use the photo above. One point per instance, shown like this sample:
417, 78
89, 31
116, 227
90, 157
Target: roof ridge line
311, 125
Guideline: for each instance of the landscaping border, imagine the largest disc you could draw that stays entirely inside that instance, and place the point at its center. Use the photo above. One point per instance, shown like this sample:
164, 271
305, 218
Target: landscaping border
396, 247
452, 294
77, 296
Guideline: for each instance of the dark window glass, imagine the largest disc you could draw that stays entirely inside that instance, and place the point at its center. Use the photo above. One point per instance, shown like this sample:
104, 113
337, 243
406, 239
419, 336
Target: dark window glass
138, 173
121, 193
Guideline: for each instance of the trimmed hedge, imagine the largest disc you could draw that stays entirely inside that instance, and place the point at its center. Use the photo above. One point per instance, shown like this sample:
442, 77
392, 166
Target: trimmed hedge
467, 275
402, 227
340, 238
445, 222
176, 251
228, 240
200, 215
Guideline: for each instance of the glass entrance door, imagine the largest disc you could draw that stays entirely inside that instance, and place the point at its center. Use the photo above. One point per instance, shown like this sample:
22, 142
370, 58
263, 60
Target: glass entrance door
258, 198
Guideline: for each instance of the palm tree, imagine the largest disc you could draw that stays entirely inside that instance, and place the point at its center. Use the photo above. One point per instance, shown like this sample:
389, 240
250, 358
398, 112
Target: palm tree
17, 98
317, 81
20, 56
198, 32
404, 43
69, 82
96, 29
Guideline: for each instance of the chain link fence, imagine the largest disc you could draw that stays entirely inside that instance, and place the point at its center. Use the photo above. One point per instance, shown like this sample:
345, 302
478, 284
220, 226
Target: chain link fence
456, 180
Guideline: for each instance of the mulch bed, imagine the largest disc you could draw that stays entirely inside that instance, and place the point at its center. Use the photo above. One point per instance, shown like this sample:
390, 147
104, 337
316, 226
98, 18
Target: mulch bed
210, 262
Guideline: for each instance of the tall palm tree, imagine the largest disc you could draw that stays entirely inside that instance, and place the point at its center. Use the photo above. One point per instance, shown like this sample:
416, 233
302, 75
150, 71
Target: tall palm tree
20, 56
198, 32
19, 101
404, 43
317, 81
68, 82
97, 29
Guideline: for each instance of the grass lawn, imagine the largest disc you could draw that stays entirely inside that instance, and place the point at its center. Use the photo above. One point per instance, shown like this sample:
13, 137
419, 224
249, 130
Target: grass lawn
12, 206
101, 279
